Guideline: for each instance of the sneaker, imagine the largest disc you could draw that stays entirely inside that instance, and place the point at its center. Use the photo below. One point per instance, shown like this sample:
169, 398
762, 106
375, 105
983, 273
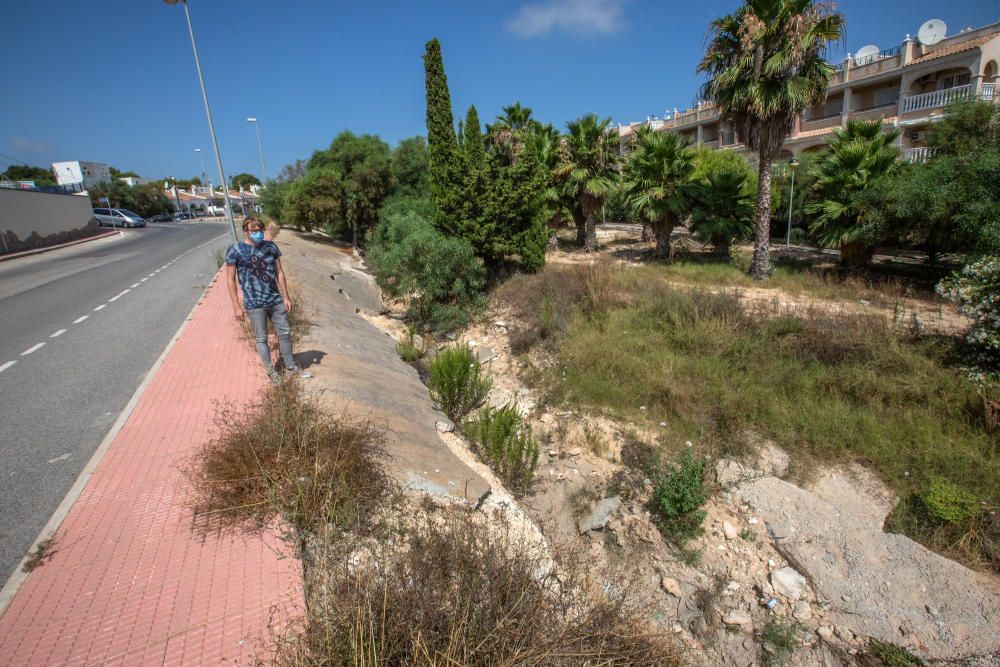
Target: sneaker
304, 374
273, 375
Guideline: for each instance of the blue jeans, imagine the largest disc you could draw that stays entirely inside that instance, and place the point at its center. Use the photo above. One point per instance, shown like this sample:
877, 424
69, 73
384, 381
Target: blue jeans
279, 320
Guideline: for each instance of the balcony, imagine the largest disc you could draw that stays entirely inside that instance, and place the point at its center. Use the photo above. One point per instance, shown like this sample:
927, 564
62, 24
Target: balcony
919, 154
942, 98
711, 143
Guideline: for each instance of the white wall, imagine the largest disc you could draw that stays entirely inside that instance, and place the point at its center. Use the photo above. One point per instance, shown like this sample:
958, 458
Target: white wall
23, 212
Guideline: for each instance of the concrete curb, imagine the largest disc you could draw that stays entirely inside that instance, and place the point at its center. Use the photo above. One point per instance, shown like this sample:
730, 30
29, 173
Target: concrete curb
38, 251
18, 577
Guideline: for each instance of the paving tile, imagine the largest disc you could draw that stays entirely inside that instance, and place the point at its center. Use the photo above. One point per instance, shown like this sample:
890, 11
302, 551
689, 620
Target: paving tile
131, 583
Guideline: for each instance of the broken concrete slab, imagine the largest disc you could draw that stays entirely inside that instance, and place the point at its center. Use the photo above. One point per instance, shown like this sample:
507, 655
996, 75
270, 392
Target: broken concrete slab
360, 372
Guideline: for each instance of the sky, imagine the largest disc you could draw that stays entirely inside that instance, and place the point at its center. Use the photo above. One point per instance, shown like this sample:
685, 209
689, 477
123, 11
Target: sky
114, 81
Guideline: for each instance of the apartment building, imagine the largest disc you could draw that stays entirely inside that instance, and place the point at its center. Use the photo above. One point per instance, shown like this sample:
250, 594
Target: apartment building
78, 172
906, 87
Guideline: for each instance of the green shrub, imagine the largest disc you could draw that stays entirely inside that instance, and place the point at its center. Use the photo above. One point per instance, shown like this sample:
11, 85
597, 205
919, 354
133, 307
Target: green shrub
505, 441
781, 636
407, 349
441, 275
679, 495
945, 501
456, 381
886, 654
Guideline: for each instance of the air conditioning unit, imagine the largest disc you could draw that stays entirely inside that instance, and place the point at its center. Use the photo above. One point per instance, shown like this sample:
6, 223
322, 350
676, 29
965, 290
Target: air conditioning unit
927, 78
918, 135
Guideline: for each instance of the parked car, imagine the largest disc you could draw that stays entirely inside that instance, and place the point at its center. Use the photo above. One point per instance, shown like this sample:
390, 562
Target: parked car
162, 217
182, 216
118, 217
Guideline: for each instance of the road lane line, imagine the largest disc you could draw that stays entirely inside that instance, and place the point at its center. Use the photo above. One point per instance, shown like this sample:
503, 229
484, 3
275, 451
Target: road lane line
33, 348
58, 333
7, 365
114, 298
80, 319
134, 285
151, 275
103, 305
144, 279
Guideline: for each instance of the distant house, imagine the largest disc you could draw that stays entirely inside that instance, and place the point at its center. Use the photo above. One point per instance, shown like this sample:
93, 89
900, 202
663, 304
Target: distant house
133, 181
86, 174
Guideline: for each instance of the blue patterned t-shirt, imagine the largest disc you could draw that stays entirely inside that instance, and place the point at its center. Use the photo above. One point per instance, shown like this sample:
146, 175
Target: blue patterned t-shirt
255, 268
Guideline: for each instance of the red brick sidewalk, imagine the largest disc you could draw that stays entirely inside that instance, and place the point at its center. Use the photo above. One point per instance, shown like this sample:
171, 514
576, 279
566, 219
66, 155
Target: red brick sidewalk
129, 583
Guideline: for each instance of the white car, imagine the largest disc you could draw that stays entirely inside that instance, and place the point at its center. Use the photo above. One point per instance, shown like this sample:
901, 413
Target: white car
118, 217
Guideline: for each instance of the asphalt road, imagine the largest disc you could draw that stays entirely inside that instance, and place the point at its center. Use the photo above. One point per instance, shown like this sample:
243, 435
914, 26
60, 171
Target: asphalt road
80, 327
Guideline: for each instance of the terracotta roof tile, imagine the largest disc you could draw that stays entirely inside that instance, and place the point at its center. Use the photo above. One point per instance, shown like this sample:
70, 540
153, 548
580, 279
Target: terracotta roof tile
954, 48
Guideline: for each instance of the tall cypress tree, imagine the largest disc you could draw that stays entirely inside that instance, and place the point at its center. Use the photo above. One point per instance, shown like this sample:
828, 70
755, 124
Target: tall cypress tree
443, 154
474, 145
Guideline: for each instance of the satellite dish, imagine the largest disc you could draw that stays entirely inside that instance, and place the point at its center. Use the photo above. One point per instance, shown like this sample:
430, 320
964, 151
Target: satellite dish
932, 32
866, 52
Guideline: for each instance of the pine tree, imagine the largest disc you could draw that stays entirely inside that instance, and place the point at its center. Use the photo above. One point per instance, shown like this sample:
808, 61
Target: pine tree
443, 155
474, 145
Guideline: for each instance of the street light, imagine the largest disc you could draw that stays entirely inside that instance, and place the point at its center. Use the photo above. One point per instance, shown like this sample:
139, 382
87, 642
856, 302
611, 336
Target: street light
260, 147
208, 112
792, 164
204, 172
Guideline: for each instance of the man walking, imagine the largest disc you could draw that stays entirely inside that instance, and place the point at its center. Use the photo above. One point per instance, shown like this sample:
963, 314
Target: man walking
257, 263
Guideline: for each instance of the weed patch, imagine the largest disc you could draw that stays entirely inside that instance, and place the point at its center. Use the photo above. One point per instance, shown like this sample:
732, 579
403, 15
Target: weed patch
823, 386
780, 640
284, 457
407, 349
456, 381
884, 654
505, 442
455, 590
678, 497
43, 551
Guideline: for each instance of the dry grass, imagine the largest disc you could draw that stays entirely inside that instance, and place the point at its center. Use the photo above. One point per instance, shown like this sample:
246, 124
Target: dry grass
455, 590
44, 551
284, 457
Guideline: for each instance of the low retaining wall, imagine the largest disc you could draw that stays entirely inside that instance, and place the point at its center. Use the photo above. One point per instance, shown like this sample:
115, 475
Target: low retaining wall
31, 220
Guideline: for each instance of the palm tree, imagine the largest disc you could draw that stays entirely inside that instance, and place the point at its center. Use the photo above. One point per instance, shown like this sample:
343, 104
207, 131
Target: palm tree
659, 184
724, 210
857, 156
765, 66
506, 134
544, 143
588, 166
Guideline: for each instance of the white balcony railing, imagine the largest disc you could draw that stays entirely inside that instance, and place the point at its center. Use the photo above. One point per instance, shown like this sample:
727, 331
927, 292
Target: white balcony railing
919, 154
942, 98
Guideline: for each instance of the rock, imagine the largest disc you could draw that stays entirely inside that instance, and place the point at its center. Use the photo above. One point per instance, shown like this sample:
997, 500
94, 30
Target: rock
779, 530
671, 585
788, 582
729, 530
772, 460
728, 473
825, 631
737, 617
576, 451
498, 398
444, 426
802, 611
485, 354
600, 515
844, 633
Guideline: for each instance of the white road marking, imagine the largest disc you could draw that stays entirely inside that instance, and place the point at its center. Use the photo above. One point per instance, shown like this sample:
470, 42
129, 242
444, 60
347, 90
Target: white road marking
134, 285
114, 298
7, 365
80, 319
103, 305
151, 274
60, 458
164, 266
33, 348
144, 279
58, 333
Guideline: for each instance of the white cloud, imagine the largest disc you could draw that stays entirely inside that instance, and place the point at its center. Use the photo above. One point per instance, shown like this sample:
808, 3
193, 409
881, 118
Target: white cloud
584, 17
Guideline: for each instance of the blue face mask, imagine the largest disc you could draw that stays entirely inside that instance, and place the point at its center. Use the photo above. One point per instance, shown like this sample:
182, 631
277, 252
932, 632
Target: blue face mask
256, 237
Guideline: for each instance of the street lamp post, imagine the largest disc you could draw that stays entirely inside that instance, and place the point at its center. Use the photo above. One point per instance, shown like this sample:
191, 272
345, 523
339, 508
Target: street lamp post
260, 147
793, 163
177, 197
208, 112
204, 172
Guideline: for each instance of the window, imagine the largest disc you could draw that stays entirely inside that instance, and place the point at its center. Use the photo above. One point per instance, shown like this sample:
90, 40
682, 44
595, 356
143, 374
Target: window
955, 80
